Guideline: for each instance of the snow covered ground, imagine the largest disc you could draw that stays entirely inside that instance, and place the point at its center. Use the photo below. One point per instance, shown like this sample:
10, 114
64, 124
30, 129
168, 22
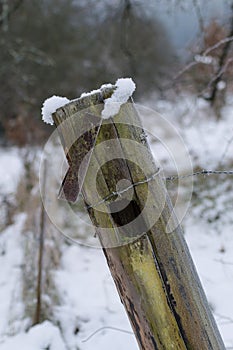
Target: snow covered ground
88, 313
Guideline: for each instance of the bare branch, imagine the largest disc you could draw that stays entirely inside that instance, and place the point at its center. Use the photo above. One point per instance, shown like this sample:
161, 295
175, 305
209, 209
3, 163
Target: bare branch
41, 253
5, 16
229, 142
205, 53
229, 39
222, 61
216, 78
224, 263
124, 35
103, 328
199, 15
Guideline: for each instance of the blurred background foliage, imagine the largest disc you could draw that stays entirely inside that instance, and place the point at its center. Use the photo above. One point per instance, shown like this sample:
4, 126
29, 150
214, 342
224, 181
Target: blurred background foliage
66, 47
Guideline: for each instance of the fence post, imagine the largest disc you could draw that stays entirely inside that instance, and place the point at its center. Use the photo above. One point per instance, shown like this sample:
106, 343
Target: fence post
151, 267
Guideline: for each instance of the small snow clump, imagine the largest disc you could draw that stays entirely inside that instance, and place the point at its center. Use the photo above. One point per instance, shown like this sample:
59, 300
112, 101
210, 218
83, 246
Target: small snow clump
124, 90
50, 106
221, 85
204, 59
104, 86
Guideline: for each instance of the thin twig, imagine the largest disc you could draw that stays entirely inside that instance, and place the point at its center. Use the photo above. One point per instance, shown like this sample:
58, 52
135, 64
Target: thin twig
218, 44
224, 263
204, 54
124, 35
6, 17
222, 60
217, 77
229, 142
41, 252
199, 15
103, 328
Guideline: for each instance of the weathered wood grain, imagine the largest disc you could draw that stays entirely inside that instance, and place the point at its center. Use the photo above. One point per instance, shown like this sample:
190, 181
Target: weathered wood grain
152, 268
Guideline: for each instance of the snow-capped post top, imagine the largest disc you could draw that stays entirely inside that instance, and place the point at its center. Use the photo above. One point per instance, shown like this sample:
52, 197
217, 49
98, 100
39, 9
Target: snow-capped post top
123, 90
50, 106
125, 87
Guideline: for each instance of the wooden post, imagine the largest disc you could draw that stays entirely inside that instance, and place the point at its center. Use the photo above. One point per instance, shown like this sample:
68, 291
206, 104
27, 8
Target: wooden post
151, 267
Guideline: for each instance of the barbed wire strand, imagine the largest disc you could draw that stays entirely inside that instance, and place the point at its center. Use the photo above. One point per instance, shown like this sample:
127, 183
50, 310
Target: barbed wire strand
201, 172
152, 177
119, 193
106, 327
227, 147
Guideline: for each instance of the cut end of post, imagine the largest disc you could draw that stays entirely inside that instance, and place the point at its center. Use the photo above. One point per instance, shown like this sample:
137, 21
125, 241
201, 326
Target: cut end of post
84, 120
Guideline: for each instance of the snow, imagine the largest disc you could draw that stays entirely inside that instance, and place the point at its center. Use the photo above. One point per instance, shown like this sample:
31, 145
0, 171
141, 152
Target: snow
11, 170
204, 59
11, 257
208, 141
212, 254
90, 302
88, 314
43, 336
124, 90
221, 85
104, 86
50, 106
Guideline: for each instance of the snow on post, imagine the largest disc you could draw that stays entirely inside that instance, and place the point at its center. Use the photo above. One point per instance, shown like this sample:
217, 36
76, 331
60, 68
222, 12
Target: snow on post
124, 90
50, 106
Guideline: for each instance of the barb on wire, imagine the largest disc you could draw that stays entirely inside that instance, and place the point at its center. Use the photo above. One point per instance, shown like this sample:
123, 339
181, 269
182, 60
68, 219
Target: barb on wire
103, 328
202, 172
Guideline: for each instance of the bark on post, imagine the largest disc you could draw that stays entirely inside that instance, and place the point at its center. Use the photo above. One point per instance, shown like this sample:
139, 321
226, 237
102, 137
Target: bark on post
152, 268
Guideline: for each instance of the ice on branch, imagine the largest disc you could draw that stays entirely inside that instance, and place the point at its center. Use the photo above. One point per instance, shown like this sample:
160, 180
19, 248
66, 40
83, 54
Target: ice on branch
50, 106
124, 90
